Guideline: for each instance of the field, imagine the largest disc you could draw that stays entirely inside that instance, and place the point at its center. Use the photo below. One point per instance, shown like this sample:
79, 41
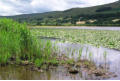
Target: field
109, 39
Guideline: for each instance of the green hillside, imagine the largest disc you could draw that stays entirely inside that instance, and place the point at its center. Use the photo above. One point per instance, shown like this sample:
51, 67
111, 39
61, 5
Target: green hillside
108, 14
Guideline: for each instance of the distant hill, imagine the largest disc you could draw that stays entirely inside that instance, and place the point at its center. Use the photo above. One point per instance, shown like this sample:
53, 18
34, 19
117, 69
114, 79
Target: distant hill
96, 15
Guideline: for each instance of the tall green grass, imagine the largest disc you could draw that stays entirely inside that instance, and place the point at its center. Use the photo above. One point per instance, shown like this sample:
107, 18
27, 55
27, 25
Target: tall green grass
16, 42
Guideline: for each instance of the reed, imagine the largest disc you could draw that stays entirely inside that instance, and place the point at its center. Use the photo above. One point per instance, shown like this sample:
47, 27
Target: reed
18, 44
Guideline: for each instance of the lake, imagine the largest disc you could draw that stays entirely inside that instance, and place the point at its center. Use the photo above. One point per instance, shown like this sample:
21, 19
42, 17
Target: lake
81, 27
105, 58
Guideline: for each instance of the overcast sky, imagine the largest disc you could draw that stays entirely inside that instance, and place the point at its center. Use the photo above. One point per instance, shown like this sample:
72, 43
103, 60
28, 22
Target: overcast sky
15, 7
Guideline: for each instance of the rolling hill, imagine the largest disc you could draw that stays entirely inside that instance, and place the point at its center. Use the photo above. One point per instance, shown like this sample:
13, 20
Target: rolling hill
102, 15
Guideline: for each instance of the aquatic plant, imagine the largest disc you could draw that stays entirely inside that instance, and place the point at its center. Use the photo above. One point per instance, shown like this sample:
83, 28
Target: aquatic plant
39, 62
70, 61
90, 56
15, 40
105, 55
80, 52
97, 38
18, 44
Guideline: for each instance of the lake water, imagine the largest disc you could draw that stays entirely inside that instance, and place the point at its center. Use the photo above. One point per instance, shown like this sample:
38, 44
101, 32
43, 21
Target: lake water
107, 58
81, 27
110, 62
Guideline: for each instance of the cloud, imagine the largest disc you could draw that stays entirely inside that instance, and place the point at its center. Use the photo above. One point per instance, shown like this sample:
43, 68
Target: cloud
15, 7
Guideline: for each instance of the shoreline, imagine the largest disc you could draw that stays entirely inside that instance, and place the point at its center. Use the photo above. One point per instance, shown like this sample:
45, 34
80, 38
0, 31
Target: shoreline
68, 26
79, 28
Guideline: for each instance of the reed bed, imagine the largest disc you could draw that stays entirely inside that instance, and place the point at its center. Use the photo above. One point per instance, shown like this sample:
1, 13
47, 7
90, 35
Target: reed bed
17, 44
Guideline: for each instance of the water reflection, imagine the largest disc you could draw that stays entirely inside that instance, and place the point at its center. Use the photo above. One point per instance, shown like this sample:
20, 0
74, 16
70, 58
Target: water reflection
21, 73
103, 58
108, 59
